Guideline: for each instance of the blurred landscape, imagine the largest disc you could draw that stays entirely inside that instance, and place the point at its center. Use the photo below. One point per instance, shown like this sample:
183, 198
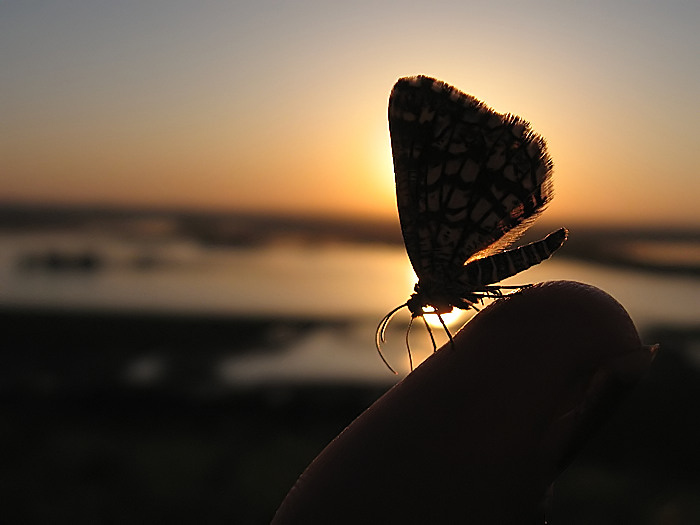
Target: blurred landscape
174, 366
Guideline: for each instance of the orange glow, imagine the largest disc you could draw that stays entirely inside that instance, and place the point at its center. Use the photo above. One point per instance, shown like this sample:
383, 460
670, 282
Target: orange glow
452, 319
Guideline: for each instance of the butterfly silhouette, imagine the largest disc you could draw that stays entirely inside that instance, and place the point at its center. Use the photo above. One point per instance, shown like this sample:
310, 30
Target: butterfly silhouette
469, 182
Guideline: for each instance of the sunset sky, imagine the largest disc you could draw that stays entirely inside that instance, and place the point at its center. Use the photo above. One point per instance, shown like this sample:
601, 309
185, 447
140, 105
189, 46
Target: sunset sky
282, 106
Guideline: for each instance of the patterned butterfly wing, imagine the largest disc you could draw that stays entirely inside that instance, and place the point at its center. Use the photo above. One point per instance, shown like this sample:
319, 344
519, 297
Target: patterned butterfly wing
468, 180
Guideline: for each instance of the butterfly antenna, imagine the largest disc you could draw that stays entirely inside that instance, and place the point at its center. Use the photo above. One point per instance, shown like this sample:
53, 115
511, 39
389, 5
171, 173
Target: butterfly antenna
408, 345
430, 333
447, 331
381, 330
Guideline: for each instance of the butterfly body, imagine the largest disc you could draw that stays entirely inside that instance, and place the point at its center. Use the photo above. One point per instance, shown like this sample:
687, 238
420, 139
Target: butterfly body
469, 181
474, 282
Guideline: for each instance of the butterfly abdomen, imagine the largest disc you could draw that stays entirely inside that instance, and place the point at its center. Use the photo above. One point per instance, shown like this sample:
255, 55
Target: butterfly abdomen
497, 267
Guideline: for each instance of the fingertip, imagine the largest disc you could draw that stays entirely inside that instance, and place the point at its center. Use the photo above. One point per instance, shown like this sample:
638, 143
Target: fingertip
466, 429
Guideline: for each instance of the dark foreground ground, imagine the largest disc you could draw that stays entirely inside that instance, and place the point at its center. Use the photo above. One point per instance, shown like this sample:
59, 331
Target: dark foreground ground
89, 435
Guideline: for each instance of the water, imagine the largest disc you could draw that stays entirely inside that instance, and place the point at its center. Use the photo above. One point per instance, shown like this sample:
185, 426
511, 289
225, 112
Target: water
330, 282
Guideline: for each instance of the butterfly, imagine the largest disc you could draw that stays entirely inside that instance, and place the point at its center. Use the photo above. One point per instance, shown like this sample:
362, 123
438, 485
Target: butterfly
469, 182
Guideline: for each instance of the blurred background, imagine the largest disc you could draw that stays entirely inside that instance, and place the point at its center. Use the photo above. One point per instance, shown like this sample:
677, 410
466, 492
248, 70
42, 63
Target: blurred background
198, 237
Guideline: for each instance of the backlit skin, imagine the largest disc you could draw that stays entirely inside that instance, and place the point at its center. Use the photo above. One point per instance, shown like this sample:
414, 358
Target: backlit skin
479, 432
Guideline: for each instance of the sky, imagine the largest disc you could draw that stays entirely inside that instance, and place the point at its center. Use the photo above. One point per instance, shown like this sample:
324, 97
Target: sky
282, 106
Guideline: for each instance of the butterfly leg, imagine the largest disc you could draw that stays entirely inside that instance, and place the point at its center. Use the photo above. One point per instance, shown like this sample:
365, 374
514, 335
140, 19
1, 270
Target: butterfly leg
430, 332
447, 331
408, 345
496, 290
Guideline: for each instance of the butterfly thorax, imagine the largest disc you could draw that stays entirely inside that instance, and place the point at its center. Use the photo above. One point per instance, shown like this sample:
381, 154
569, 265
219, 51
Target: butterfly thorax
442, 297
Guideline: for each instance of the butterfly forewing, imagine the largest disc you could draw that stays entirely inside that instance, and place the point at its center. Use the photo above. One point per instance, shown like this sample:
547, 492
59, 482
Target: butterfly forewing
467, 178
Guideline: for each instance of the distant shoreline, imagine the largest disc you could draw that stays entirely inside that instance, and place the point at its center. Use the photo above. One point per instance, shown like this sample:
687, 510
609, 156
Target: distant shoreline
609, 246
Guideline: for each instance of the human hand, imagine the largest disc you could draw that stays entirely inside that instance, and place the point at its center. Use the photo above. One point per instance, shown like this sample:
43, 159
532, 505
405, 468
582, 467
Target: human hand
478, 432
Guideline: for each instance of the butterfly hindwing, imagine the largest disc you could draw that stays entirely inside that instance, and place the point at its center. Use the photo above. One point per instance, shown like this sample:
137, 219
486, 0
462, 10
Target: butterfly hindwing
467, 178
